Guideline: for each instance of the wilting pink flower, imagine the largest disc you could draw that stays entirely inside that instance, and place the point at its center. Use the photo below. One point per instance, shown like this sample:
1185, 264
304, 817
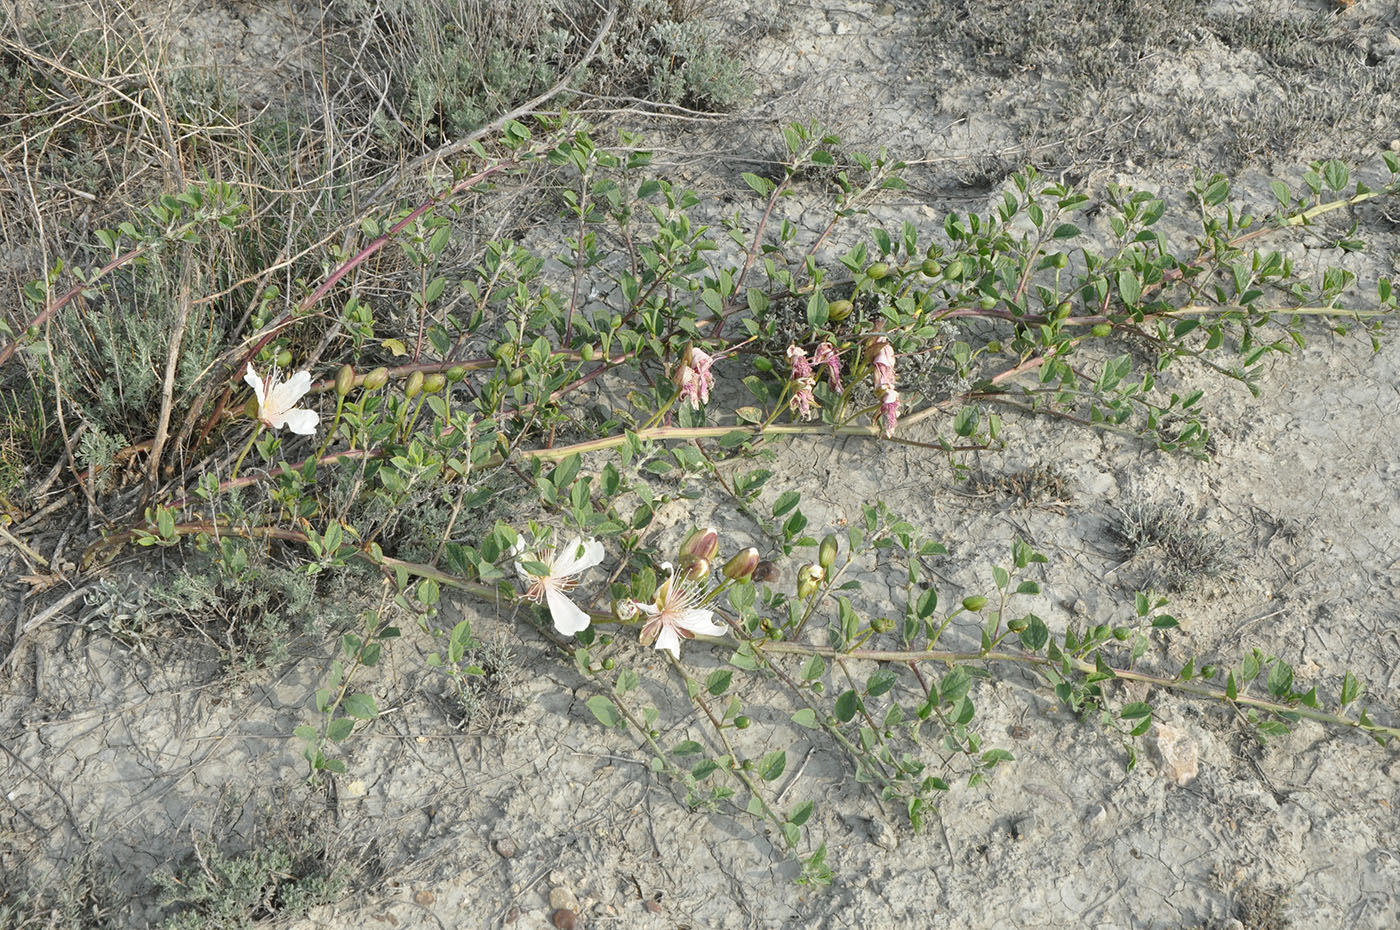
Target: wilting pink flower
826, 355
889, 410
801, 368
674, 616
884, 366
692, 376
573, 559
803, 398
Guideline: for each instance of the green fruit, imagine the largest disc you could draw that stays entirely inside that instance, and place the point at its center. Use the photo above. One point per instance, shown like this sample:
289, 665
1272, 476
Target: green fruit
516, 377
414, 385
284, 358
877, 271
953, 270
1063, 310
974, 603
838, 310
434, 382
931, 268
1101, 330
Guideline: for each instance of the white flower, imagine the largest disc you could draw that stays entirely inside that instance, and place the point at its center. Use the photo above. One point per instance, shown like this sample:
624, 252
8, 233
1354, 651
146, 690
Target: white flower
574, 559
277, 401
674, 616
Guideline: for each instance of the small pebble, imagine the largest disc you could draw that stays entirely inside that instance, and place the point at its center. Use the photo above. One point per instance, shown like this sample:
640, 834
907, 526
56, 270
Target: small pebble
565, 919
1096, 814
505, 848
424, 898
512, 915
562, 899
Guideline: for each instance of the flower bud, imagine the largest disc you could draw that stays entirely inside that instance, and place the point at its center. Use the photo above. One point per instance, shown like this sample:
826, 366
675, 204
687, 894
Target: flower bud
1101, 330
344, 380
414, 385
809, 578
741, 565
974, 604
456, 373
826, 555
625, 610
882, 624
741, 722
838, 310
695, 569
434, 383
284, 358
516, 377
931, 268
877, 271
376, 379
588, 353
1018, 625
701, 544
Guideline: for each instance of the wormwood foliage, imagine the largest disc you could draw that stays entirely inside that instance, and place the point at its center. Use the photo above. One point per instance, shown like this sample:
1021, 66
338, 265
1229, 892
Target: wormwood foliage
474, 416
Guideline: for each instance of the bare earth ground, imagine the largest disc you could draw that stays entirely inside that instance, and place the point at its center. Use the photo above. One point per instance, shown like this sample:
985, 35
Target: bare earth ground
138, 756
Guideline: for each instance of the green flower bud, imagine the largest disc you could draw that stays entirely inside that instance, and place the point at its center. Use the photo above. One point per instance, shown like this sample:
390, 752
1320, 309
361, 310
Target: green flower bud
1063, 310
1018, 625
588, 353
516, 377
609, 663
456, 373
826, 555
414, 385
434, 382
696, 569
284, 358
344, 380
809, 578
504, 352
931, 268
994, 346
741, 565
974, 604
1059, 260
882, 624
838, 310
877, 271
1101, 330
953, 270
376, 379
701, 544
987, 303
741, 722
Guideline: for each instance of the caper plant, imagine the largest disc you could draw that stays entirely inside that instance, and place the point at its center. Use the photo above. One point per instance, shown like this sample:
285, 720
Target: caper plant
515, 434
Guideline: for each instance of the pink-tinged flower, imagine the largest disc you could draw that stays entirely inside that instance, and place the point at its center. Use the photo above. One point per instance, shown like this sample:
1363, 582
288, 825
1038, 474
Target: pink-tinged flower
561, 567
826, 355
889, 410
801, 368
803, 398
277, 401
674, 615
884, 366
692, 376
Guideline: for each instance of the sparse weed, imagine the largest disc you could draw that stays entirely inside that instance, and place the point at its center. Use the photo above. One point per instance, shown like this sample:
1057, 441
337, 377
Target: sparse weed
1183, 550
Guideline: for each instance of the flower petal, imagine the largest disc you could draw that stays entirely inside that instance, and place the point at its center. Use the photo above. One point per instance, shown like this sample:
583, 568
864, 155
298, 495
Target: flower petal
699, 621
571, 561
256, 384
300, 421
284, 396
568, 618
668, 640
